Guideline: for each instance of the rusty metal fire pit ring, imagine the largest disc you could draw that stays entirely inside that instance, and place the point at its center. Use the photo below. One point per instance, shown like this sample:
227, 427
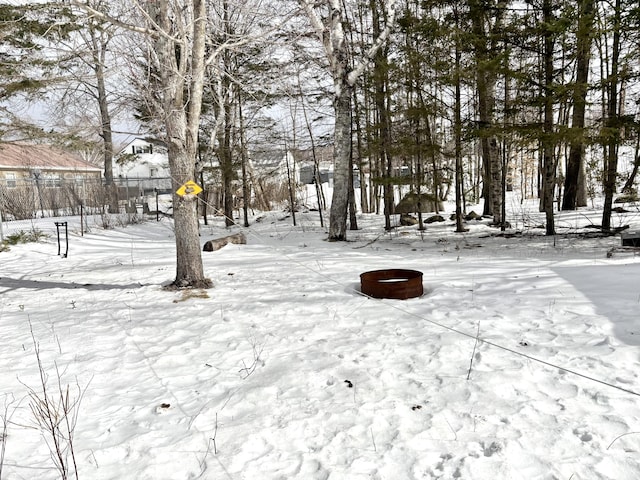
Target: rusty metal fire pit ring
393, 283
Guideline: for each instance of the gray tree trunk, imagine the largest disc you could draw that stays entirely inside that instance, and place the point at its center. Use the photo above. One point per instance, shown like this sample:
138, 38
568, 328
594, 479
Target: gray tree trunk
611, 147
181, 74
330, 32
548, 163
341, 151
575, 162
486, 86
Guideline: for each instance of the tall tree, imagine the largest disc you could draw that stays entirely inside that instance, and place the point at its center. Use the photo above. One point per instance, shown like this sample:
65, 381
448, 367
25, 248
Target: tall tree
327, 19
26, 65
485, 23
548, 139
179, 46
612, 124
575, 162
175, 34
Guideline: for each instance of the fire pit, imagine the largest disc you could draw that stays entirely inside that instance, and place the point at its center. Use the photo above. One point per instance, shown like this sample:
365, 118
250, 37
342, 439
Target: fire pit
394, 283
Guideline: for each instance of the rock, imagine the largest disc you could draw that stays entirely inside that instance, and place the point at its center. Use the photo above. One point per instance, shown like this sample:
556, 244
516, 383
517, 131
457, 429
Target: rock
218, 243
434, 219
619, 210
472, 216
407, 220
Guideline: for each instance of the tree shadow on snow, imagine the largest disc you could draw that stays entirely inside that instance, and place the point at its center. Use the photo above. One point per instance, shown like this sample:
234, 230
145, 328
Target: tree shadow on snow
613, 290
8, 284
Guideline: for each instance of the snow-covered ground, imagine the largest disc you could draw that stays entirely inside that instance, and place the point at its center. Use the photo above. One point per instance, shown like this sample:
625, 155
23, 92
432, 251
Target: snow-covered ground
520, 361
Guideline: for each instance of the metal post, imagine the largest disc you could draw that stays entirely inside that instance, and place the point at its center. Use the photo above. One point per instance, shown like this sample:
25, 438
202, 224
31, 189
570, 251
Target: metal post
58, 235
66, 240
1, 229
66, 237
157, 206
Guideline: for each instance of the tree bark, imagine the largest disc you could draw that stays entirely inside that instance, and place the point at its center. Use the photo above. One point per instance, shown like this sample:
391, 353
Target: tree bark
341, 151
548, 161
613, 129
344, 77
486, 85
181, 119
576, 151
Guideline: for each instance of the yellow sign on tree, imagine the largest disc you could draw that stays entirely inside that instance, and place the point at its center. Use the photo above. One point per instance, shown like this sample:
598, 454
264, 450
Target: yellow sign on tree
189, 188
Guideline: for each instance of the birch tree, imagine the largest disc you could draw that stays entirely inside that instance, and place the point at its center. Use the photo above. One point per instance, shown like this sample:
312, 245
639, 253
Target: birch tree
327, 18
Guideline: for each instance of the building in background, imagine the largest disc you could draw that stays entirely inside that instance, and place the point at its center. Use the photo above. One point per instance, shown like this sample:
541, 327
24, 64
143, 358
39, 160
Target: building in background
51, 167
44, 180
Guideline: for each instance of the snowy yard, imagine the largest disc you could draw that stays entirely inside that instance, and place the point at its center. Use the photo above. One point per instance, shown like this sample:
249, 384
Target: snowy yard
520, 361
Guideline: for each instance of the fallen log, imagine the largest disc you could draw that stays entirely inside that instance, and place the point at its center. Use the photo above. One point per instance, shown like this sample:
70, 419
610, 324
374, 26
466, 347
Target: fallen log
218, 243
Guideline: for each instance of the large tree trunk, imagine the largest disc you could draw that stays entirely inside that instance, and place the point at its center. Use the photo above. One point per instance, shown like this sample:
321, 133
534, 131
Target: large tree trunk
611, 148
105, 117
486, 86
182, 118
576, 152
330, 32
548, 162
457, 128
341, 152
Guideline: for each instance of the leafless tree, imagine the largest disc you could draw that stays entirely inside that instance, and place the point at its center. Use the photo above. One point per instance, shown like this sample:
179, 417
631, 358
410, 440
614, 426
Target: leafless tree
327, 19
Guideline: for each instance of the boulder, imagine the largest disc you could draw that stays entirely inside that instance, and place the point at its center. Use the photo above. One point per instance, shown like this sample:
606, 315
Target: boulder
472, 216
407, 220
434, 219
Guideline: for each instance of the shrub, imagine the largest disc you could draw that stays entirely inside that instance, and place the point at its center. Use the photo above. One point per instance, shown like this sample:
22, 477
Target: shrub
31, 236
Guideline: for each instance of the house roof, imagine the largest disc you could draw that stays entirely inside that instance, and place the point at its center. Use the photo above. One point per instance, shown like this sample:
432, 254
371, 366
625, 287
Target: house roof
272, 160
22, 156
324, 156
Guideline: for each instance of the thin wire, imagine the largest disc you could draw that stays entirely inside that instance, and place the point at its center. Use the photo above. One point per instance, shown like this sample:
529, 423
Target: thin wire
475, 337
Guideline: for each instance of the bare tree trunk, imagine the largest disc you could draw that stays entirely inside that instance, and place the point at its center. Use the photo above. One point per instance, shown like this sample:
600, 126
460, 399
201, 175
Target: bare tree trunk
105, 117
576, 152
181, 125
353, 219
332, 36
364, 202
457, 126
486, 85
611, 148
246, 193
548, 163
628, 186
341, 149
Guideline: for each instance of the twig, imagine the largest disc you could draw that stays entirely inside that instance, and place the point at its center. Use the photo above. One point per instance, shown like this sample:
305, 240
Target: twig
368, 243
215, 434
56, 417
256, 358
3, 434
473, 353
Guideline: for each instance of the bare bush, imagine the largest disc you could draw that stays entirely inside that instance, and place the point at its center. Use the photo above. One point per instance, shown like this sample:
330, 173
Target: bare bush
55, 411
271, 193
18, 203
4, 418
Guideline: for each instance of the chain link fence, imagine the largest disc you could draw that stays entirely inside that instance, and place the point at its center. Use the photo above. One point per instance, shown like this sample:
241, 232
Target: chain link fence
24, 200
